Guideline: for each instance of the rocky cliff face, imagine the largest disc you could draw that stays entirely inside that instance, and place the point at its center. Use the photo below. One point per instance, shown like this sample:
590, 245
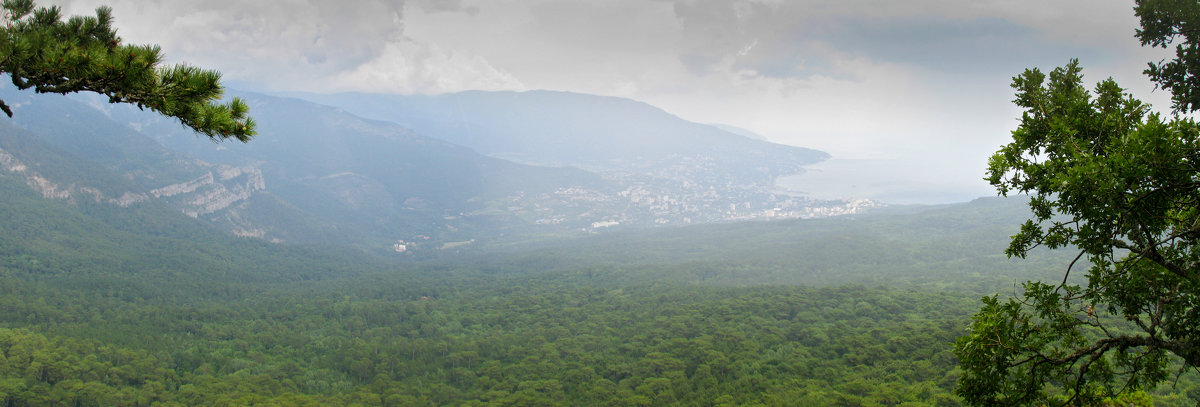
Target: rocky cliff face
217, 195
216, 190
52, 189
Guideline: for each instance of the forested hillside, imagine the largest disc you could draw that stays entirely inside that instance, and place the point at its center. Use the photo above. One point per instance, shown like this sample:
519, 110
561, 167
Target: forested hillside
107, 306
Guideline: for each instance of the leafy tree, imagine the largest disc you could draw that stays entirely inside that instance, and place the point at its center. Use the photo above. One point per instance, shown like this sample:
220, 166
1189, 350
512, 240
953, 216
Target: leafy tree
41, 51
1119, 184
1163, 22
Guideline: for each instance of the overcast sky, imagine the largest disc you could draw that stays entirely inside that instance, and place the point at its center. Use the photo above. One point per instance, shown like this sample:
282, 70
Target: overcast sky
919, 83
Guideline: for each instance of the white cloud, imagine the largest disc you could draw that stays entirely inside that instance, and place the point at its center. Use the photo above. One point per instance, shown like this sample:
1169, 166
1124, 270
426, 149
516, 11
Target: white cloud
409, 67
302, 44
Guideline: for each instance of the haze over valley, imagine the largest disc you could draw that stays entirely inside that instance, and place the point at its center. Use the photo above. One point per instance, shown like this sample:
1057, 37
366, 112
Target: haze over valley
375, 184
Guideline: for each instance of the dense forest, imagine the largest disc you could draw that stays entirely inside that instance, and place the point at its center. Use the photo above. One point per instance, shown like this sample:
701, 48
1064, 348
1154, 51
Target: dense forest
540, 344
403, 337
103, 308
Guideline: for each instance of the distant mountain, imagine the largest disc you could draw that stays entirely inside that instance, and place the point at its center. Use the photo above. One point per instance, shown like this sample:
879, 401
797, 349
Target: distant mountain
314, 174
605, 134
99, 195
77, 227
320, 174
671, 171
732, 179
739, 131
148, 171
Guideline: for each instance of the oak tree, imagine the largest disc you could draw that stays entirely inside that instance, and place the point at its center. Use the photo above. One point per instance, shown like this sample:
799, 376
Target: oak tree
1121, 185
1173, 22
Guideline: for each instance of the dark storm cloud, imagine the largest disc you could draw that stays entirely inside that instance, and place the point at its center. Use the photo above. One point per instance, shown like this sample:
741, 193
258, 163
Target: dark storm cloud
711, 31
800, 39
444, 6
983, 45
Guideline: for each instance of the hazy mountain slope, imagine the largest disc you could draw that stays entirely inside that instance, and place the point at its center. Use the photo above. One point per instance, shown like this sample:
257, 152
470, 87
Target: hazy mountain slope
671, 171
61, 221
228, 196
593, 132
739, 131
89, 134
317, 173
378, 182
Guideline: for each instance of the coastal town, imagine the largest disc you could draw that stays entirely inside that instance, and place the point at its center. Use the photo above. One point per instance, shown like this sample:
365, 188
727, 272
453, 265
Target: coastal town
642, 201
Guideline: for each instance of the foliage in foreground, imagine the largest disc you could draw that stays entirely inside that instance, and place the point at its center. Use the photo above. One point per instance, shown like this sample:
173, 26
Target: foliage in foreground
1119, 185
41, 51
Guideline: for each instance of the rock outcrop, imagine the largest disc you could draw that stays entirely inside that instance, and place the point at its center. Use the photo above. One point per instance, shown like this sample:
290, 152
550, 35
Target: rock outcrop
214, 191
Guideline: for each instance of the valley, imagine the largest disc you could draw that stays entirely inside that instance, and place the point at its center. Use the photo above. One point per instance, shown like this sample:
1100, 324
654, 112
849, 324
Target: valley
338, 260
318, 174
735, 203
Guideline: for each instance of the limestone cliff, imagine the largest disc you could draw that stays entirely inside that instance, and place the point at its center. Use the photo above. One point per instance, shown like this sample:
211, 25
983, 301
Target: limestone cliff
214, 191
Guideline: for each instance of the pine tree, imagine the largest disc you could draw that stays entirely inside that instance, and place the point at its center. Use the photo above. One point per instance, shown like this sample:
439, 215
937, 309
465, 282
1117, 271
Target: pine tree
39, 50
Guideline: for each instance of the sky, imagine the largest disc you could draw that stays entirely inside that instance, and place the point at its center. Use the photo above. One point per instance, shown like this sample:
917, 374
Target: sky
921, 85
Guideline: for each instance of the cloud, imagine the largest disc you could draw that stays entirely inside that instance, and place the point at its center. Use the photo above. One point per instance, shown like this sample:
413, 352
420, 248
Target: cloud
712, 31
910, 80
299, 44
794, 39
444, 6
983, 45
409, 67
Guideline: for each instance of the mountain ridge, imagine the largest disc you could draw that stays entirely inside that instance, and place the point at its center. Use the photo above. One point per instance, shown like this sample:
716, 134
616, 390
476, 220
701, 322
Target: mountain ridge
320, 174
611, 132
